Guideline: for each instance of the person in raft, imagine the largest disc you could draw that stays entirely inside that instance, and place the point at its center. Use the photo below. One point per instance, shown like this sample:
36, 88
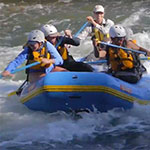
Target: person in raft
36, 49
98, 28
54, 37
124, 64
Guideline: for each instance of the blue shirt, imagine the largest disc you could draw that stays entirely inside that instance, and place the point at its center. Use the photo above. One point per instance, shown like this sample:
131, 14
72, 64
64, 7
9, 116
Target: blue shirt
24, 55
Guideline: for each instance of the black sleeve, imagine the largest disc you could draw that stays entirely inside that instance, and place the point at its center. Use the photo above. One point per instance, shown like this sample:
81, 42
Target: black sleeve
96, 51
72, 41
107, 54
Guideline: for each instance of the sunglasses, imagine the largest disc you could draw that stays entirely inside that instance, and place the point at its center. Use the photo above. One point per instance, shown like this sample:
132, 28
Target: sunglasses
32, 42
118, 38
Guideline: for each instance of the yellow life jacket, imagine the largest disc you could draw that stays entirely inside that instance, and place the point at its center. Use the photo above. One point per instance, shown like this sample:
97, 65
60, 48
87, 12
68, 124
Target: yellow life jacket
120, 59
63, 52
37, 56
134, 41
99, 36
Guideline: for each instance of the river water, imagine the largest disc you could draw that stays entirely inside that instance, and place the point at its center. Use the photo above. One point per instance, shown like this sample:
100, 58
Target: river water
23, 129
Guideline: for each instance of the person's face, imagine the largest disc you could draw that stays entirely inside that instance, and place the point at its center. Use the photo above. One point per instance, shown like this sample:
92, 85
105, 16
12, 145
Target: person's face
34, 45
51, 39
118, 40
99, 17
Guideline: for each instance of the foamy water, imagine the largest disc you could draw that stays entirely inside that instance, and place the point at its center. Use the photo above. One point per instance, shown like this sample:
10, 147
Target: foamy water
24, 129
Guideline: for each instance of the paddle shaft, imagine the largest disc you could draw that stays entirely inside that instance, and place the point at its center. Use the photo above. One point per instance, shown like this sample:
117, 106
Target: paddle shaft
23, 68
105, 61
145, 58
96, 62
84, 25
116, 46
127, 49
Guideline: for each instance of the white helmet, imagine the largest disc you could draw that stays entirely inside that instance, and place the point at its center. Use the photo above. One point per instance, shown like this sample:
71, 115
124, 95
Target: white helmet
117, 31
49, 30
36, 36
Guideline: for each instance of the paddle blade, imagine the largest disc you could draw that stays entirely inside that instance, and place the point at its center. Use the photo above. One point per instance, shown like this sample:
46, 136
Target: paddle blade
12, 93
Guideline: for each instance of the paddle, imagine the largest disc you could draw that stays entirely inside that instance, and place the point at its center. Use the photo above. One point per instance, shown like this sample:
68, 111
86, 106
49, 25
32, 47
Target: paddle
104, 61
145, 58
96, 62
59, 42
18, 90
127, 49
20, 69
116, 46
83, 26
23, 68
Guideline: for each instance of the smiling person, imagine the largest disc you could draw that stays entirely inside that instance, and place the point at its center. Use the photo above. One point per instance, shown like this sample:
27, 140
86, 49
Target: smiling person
53, 36
36, 49
98, 29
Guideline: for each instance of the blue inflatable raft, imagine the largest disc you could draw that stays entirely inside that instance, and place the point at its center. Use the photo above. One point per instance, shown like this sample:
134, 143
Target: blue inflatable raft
77, 91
